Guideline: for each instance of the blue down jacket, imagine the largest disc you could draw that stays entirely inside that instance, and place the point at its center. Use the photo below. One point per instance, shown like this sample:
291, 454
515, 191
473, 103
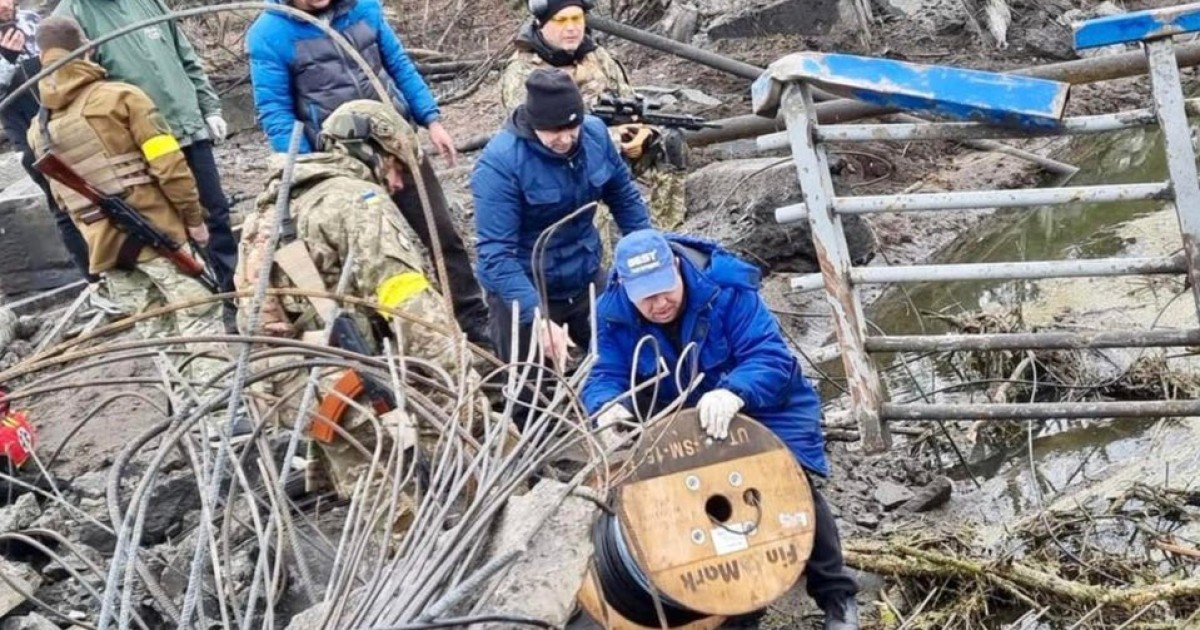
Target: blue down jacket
521, 188
739, 344
299, 73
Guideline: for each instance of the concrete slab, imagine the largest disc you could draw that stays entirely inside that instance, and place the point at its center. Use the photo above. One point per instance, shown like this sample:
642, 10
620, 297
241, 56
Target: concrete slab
32, 257
785, 17
10, 169
25, 578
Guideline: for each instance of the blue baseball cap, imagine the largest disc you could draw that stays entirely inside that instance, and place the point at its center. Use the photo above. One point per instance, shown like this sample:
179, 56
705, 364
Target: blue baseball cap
645, 264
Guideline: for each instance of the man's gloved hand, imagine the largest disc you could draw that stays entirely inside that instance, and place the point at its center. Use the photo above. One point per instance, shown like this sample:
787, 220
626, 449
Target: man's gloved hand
717, 409
616, 414
217, 128
632, 139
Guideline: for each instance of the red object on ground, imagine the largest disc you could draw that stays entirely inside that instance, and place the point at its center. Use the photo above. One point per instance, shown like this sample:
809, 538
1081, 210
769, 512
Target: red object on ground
17, 437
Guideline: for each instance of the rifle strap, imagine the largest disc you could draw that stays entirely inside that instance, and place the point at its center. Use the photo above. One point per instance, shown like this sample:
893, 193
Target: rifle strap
296, 263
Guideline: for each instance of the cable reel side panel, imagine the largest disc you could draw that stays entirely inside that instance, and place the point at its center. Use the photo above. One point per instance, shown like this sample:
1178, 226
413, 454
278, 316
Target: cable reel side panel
723, 528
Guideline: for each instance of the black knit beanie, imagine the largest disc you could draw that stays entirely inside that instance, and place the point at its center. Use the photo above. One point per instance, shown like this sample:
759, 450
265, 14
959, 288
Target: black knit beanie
552, 101
545, 9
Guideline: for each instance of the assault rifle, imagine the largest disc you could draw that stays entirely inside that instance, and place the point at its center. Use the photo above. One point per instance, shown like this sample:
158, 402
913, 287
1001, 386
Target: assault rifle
614, 110
350, 385
127, 219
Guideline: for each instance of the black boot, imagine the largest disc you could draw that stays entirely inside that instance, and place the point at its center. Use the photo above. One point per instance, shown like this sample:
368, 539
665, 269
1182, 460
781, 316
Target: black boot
841, 614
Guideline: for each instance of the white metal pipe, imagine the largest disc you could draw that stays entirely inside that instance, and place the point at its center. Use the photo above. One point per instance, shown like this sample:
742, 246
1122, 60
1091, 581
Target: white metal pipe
923, 202
1029, 270
909, 132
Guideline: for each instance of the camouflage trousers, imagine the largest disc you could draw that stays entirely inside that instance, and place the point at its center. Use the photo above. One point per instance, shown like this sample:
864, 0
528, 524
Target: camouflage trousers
157, 283
668, 207
344, 461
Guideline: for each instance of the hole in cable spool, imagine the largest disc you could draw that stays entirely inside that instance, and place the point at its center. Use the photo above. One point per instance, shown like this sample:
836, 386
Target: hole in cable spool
752, 497
718, 508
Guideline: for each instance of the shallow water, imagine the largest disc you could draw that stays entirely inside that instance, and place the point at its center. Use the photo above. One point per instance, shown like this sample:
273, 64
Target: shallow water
1079, 453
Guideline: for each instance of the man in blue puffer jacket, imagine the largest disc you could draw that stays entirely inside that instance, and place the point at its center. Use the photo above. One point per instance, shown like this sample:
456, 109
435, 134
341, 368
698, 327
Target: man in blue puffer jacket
550, 160
681, 291
301, 74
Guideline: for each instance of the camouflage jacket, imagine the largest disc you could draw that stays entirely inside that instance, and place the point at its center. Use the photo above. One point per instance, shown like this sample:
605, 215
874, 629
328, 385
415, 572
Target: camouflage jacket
596, 74
337, 207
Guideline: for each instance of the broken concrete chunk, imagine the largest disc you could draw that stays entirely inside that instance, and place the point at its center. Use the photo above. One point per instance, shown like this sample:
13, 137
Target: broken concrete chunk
867, 520
546, 577
931, 497
20, 515
92, 485
734, 203
9, 328
24, 577
892, 495
761, 18
32, 257
698, 97
57, 571
681, 22
32, 621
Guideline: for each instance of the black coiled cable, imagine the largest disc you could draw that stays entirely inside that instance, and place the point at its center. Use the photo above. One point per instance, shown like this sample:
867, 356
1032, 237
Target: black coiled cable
623, 592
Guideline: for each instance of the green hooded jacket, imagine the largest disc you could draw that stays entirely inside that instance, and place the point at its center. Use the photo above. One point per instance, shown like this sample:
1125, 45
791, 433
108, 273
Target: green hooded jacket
158, 59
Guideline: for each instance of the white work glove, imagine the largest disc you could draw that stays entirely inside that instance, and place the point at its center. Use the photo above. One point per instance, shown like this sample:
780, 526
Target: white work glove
616, 414
217, 128
717, 409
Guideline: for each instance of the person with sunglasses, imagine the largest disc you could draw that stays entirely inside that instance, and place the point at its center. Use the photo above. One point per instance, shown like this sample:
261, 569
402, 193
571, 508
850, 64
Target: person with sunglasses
557, 36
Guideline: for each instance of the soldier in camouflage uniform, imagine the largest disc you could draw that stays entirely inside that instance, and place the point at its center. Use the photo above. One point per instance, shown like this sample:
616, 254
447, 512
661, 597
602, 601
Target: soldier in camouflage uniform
341, 203
557, 36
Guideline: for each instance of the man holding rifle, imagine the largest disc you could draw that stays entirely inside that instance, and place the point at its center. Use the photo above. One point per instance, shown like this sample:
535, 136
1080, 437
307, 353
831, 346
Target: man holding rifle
118, 172
558, 37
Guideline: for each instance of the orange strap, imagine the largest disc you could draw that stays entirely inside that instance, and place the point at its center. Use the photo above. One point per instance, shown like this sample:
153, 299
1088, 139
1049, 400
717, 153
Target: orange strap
329, 413
333, 406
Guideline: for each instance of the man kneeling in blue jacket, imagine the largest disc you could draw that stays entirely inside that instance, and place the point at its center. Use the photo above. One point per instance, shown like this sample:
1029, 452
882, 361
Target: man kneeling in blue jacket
681, 291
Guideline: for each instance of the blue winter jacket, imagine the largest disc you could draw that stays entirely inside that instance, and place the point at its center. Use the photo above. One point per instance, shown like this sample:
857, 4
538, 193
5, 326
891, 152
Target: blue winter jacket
740, 347
521, 188
299, 73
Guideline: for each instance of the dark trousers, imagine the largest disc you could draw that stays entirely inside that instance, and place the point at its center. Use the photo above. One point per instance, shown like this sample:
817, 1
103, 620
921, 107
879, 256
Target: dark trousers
222, 248
575, 313
828, 581
71, 238
469, 308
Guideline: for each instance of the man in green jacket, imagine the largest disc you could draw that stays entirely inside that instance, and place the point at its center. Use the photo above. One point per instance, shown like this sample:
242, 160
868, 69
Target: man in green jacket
160, 60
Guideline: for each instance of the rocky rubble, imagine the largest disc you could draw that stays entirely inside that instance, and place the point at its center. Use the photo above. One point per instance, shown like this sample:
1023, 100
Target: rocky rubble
734, 202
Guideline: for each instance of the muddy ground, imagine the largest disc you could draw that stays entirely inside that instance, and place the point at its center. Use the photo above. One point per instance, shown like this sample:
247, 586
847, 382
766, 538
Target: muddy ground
1036, 37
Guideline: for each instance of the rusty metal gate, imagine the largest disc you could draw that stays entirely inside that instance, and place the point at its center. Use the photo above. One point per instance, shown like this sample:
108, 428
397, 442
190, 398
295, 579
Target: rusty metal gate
981, 105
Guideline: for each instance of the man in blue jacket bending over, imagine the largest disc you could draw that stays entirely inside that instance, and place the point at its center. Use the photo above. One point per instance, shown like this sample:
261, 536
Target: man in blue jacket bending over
681, 291
299, 73
549, 161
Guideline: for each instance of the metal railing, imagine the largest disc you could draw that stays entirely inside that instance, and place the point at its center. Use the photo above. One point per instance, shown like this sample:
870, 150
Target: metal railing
793, 94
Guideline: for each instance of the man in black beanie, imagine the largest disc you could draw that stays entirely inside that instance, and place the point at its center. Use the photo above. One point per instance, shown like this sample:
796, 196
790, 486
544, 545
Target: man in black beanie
550, 160
557, 36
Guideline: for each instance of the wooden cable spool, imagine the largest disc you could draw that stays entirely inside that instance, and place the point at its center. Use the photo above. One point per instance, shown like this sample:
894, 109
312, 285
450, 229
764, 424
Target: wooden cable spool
717, 528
